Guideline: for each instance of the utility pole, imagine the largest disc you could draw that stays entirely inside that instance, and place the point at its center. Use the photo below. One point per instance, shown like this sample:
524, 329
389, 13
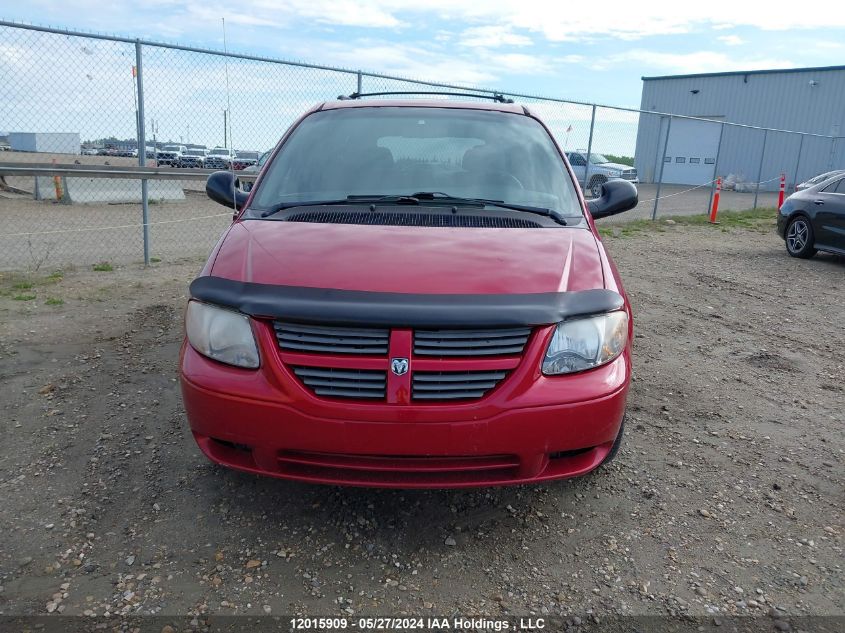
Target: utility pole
225, 134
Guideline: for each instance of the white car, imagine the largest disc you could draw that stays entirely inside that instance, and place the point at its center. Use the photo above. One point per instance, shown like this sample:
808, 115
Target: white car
601, 170
219, 158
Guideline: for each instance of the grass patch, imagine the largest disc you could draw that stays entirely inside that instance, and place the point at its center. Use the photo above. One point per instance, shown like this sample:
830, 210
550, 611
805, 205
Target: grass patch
23, 297
22, 285
54, 301
103, 267
760, 220
155, 260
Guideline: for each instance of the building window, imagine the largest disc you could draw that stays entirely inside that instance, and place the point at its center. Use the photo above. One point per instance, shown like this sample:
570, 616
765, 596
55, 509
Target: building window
695, 160
709, 161
667, 159
680, 159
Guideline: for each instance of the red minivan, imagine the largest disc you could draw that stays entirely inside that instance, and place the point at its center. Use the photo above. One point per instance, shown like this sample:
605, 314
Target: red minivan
413, 294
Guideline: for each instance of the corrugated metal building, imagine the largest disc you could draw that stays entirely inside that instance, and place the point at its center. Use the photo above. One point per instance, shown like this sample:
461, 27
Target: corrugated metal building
803, 99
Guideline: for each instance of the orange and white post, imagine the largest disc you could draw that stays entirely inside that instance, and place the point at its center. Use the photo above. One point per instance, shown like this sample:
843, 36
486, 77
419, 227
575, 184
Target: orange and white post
782, 190
57, 183
715, 210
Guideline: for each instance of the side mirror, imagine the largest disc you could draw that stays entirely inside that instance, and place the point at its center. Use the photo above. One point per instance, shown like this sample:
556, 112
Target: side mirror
616, 196
223, 187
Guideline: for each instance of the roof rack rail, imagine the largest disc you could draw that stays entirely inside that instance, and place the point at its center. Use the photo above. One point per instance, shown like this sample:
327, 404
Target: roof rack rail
497, 97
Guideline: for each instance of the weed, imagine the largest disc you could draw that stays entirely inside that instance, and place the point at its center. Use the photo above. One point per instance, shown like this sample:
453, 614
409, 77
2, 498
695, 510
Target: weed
23, 297
54, 301
760, 220
103, 267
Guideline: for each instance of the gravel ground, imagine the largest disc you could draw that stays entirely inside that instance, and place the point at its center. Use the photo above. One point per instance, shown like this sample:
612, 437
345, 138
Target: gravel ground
727, 497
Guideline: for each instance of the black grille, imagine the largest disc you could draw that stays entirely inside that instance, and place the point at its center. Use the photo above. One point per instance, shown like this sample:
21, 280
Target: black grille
375, 218
331, 340
470, 342
454, 385
343, 383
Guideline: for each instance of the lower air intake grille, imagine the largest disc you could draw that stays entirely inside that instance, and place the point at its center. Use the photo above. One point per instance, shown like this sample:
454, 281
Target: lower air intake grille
375, 218
343, 383
454, 385
470, 342
331, 340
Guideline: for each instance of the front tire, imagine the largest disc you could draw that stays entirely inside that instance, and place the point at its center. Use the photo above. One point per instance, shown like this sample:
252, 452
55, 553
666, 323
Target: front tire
595, 185
800, 238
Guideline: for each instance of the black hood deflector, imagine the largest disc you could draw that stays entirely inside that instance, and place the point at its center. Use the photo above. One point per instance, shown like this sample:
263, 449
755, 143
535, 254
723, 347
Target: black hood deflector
394, 309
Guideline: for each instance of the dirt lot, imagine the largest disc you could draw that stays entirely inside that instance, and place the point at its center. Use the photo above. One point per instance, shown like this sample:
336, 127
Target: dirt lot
727, 497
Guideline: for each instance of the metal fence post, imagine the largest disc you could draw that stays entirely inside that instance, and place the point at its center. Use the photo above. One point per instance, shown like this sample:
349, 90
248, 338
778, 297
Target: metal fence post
795, 180
760, 167
360, 83
662, 165
589, 148
142, 151
715, 169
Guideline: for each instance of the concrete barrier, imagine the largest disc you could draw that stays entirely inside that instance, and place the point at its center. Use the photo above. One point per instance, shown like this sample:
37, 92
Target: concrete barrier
107, 190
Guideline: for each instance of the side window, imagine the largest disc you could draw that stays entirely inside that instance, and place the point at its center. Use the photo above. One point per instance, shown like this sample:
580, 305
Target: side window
840, 186
576, 160
831, 188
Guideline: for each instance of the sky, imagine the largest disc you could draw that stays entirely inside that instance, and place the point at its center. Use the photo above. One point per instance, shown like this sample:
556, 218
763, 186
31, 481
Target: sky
587, 51
582, 51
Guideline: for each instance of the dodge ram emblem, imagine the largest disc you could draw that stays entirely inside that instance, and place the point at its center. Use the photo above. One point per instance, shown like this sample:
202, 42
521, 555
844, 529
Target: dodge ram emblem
399, 366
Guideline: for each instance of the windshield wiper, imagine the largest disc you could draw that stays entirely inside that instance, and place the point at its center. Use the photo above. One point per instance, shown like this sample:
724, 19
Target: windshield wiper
416, 199
356, 199
439, 196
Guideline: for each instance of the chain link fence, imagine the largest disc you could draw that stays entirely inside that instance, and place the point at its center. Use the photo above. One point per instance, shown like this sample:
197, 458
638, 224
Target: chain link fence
166, 115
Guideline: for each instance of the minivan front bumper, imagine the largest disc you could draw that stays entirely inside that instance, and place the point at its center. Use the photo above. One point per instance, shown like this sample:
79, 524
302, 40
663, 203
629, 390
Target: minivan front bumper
531, 428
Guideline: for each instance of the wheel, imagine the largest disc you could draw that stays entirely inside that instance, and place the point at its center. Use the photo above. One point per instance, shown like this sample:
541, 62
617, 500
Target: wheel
800, 238
595, 185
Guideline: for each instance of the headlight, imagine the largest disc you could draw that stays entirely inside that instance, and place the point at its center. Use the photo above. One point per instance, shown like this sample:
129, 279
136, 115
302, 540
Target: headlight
586, 343
221, 334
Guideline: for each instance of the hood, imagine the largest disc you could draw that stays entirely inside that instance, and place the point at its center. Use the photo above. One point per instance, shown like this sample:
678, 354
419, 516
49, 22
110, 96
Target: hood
425, 260
615, 166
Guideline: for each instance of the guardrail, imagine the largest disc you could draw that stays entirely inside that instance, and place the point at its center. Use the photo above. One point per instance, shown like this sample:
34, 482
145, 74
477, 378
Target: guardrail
112, 171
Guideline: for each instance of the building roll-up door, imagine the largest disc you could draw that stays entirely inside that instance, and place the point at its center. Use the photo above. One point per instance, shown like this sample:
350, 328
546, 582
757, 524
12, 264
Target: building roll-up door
691, 152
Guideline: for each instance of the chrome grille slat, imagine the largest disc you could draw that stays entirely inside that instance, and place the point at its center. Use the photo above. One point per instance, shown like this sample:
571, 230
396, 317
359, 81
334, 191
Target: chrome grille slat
458, 377
455, 395
332, 340
454, 385
510, 341
343, 383
463, 334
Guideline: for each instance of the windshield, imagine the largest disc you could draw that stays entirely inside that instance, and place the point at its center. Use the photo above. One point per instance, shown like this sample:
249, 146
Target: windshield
219, 152
598, 159
401, 150
248, 155
171, 148
195, 152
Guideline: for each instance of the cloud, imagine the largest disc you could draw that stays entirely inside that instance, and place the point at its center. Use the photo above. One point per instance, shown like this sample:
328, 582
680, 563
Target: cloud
553, 20
697, 62
731, 40
492, 36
